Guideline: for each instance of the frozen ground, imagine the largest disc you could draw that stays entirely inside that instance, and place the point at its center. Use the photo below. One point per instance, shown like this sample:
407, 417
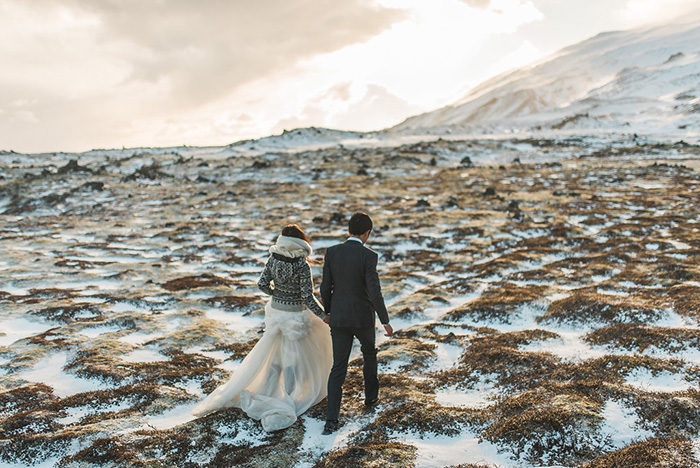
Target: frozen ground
545, 292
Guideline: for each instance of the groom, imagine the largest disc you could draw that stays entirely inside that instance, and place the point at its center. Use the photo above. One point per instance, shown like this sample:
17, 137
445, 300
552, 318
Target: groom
351, 295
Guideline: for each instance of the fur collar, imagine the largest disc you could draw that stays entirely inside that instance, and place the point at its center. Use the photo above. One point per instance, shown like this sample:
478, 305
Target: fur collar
291, 247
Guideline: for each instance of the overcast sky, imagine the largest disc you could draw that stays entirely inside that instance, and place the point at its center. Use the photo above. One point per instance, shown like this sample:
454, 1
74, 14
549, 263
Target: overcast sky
83, 74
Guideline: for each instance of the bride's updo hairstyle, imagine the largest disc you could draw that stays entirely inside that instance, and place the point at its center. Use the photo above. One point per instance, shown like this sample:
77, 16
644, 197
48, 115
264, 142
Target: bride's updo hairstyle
292, 230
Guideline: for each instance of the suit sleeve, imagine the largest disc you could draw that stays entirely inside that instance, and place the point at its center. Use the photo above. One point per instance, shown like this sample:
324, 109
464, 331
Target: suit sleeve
374, 288
326, 285
306, 285
265, 281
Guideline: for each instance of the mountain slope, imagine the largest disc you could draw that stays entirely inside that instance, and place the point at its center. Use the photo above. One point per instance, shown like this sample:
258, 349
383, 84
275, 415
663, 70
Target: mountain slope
642, 78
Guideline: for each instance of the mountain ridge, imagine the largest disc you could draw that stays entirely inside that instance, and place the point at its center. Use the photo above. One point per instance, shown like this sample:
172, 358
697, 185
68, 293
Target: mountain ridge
634, 78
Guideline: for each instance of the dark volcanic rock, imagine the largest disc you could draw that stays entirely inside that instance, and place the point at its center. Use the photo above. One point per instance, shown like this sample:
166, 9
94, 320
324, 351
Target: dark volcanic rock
73, 166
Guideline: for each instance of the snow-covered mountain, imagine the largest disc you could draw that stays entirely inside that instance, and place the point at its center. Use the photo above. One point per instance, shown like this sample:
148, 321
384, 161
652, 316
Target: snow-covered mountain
298, 138
646, 79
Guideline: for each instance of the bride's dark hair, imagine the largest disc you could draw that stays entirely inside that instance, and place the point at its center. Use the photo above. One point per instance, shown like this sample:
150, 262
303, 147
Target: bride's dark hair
292, 230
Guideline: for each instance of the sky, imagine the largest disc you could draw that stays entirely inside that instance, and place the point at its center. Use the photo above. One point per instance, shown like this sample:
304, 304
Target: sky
84, 74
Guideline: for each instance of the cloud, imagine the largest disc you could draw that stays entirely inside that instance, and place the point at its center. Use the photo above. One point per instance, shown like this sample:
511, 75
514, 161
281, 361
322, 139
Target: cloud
646, 12
477, 3
366, 108
203, 49
154, 57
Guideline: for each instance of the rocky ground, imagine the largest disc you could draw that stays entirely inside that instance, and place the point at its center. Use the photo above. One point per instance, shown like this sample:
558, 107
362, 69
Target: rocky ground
546, 295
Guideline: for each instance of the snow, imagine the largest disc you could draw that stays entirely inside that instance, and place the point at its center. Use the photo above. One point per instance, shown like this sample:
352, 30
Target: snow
20, 327
465, 448
234, 321
480, 397
144, 355
171, 418
48, 463
94, 332
314, 443
620, 424
139, 338
645, 79
644, 379
49, 370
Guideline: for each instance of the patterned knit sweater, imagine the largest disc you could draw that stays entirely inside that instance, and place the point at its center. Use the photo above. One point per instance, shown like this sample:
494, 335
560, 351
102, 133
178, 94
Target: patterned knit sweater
289, 282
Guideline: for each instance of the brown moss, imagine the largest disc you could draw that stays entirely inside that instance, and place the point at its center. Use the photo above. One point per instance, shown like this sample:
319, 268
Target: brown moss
496, 356
614, 368
180, 368
236, 302
512, 339
419, 415
413, 353
585, 307
637, 337
29, 422
80, 264
485, 225
54, 338
71, 313
472, 465
507, 261
52, 293
393, 389
25, 397
428, 331
457, 286
237, 350
370, 455
206, 280
30, 449
686, 300
668, 452
668, 414
109, 451
500, 304
544, 428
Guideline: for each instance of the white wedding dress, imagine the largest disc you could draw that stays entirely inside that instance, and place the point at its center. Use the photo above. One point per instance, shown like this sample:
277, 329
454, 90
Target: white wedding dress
286, 373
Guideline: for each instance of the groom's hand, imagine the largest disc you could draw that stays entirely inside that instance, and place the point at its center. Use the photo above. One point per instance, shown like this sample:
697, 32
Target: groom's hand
327, 320
389, 330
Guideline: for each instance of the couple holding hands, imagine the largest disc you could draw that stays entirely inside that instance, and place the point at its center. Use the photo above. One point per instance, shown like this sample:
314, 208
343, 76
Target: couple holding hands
297, 362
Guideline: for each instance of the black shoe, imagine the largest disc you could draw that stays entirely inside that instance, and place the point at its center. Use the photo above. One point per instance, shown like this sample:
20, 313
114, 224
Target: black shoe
330, 427
371, 401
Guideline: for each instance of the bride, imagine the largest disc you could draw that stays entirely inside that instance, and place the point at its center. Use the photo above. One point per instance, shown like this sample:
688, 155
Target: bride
287, 371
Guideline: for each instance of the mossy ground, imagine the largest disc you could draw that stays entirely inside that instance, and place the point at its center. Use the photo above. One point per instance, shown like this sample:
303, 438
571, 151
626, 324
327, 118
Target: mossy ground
491, 272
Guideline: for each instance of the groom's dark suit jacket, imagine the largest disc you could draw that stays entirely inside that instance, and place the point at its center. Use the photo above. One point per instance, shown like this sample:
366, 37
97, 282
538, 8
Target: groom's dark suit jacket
350, 289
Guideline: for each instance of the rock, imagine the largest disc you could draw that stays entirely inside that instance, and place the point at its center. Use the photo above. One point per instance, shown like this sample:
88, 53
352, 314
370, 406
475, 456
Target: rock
73, 166
151, 171
94, 186
338, 218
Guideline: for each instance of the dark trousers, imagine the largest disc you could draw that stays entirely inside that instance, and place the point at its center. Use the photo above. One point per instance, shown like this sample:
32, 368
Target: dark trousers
342, 345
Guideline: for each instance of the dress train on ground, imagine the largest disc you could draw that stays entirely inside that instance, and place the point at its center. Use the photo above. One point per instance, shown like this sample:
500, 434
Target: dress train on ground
285, 374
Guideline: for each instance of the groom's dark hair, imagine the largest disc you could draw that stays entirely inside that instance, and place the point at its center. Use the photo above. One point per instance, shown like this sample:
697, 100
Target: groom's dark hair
359, 224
